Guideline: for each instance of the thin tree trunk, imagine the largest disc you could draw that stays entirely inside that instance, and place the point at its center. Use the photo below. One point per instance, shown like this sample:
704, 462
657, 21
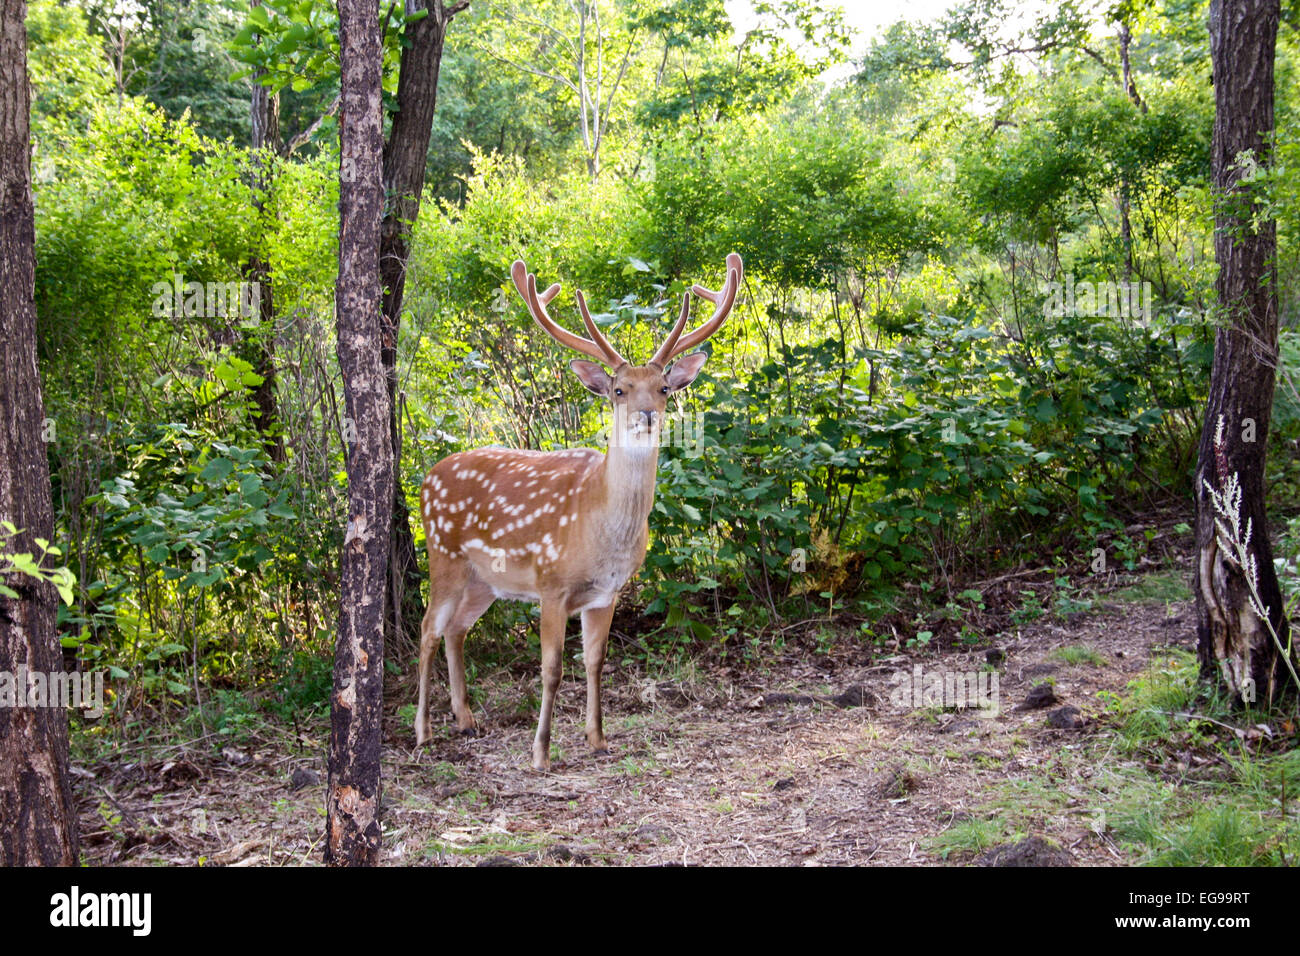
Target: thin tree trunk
259, 343
405, 158
1125, 187
38, 820
1232, 640
352, 832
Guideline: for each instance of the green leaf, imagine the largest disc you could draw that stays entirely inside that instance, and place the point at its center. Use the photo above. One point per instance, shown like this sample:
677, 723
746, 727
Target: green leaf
24, 564
63, 582
216, 471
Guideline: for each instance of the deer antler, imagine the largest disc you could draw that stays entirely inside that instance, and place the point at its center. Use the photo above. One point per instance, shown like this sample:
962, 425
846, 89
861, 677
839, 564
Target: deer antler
723, 300
597, 346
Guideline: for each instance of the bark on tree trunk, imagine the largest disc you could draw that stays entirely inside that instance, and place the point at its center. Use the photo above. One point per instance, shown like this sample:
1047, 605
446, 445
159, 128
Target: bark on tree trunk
1232, 640
38, 820
405, 158
352, 801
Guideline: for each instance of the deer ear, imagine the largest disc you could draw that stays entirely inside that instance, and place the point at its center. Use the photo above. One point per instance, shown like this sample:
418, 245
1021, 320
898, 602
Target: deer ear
682, 372
593, 376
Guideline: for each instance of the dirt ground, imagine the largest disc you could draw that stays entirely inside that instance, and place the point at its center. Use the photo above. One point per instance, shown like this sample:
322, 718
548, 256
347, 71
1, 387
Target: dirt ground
816, 759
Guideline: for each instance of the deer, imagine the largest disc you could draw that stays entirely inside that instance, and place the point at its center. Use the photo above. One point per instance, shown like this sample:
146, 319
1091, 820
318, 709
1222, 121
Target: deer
565, 530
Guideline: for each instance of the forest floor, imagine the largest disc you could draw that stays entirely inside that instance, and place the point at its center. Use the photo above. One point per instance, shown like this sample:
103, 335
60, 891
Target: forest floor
808, 759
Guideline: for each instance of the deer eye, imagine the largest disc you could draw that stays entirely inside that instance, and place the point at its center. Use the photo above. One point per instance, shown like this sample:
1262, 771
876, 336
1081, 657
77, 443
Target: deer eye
618, 391
664, 390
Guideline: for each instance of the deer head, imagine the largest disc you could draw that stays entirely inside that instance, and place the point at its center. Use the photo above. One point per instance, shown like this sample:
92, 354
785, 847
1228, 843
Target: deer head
638, 394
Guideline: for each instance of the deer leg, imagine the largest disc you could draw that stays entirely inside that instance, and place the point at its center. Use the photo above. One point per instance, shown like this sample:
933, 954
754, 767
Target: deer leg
429, 640
552, 630
476, 599
456, 680
595, 637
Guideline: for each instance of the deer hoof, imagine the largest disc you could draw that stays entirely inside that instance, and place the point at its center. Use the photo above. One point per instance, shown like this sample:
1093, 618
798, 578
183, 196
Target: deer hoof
467, 727
423, 732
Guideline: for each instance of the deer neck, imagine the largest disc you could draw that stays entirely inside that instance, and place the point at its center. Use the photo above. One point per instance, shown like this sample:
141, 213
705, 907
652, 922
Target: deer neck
627, 483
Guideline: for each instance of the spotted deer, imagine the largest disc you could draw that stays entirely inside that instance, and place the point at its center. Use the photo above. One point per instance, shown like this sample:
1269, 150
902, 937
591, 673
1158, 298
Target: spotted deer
562, 529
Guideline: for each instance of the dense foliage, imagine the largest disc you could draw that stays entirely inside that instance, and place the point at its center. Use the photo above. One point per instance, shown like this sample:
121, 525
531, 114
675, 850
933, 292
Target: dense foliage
975, 330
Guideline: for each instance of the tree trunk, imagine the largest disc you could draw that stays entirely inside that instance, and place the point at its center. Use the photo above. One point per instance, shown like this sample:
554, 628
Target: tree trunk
1125, 38
352, 802
405, 157
1232, 640
259, 343
38, 820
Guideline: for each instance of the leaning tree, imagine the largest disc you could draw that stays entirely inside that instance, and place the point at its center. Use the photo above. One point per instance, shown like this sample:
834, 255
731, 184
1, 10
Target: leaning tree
289, 46
406, 156
1241, 625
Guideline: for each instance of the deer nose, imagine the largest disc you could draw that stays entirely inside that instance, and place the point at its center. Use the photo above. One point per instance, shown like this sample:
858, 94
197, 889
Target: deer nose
649, 415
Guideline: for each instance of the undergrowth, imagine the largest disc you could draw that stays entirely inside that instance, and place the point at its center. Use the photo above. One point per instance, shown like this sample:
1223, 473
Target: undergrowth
1178, 778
